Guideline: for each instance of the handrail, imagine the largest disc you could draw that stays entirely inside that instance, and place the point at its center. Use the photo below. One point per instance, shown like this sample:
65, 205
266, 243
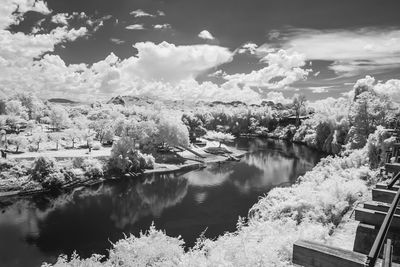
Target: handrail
394, 180
380, 238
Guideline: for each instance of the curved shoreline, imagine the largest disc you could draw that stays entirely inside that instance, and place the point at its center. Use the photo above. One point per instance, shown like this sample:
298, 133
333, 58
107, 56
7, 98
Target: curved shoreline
160, 168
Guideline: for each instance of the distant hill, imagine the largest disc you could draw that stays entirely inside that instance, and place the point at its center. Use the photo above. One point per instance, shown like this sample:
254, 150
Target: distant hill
129, 100
61, 101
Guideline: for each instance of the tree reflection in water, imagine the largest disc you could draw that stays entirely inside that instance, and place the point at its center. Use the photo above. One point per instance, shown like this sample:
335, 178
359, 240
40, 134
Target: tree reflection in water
149, 197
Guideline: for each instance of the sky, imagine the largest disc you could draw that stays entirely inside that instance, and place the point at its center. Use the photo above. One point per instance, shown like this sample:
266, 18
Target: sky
199, 49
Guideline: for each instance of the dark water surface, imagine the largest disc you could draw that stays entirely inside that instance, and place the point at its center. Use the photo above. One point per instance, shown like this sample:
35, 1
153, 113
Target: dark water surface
88, 219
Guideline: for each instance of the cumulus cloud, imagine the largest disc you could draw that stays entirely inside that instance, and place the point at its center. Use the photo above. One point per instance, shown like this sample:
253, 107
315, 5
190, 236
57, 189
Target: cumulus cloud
277, 97
283, 69
390, 87
162, 26
218, 74
192, 90
135, 27
161, 70
140, 13
248, 48
206, 35
352, 51
167, 62
60, 18
11, 11
20, 52
21, 48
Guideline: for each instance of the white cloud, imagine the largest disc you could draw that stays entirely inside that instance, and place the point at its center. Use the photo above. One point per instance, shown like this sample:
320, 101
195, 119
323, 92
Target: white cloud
117, 41
167, 62
19, 51
11, 10
352, 51
19, 48
80, 15
274, 34
206, 35
248, 48
283, 69
95, 23
276, 97
135, 27
140, 13
160, 13
218, 74
319, 89
390, 87
191, 90
162, 26
60, 18
161, 70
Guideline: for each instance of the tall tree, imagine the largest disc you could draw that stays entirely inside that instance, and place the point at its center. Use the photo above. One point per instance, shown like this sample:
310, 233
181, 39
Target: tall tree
298, 105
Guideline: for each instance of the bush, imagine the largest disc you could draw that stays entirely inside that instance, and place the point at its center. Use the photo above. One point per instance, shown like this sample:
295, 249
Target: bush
43, 167
6, 164
53, 180
93, 168
125, 158
77, 162
71, 173
378, 143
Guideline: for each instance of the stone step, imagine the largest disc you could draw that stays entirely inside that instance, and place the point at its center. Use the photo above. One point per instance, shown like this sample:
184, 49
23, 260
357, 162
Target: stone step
313, 254
383, 195
373, 217
365, 237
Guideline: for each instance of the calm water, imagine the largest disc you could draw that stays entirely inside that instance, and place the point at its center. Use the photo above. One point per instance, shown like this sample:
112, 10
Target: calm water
87, 219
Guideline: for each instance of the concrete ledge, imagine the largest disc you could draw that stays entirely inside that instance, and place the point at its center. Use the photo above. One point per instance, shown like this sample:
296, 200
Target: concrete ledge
392, 167
365, 237
383, 195
312, 254
374, 217
378, 206
396, 187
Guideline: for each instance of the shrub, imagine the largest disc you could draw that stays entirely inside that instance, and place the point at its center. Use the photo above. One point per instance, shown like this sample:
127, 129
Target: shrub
77, 162
125, 158
153, 248
53, 180
43, 167
6, 164
71, 173
378, 143
93, 168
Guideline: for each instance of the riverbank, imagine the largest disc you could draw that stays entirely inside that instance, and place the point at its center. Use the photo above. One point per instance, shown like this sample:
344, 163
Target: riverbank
194, 159
314, 208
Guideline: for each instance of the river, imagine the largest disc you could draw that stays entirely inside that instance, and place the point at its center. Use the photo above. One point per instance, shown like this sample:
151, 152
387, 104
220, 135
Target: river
209, 200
